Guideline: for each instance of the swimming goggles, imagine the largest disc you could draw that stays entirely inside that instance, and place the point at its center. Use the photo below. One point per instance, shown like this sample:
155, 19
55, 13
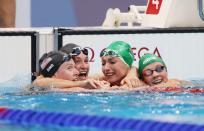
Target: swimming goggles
149, 72
108, 53
77, 50
66, 57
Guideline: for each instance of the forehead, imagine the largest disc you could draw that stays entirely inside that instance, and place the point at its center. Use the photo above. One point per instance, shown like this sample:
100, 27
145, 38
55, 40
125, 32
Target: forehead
153, 65
70, 62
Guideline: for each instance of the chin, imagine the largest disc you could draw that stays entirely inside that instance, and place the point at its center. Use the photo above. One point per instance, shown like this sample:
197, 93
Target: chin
114, 82
153, 84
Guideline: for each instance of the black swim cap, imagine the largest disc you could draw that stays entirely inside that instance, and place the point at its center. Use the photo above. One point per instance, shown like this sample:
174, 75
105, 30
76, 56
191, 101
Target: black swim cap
50, 62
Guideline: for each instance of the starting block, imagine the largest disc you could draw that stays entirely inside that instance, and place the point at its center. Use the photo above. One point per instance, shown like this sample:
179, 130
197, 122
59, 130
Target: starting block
114, 18
174, 13
159, 14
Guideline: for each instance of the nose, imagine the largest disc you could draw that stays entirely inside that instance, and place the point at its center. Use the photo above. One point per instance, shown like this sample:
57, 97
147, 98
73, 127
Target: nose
76, 72
106, 67
84, 65
155, 73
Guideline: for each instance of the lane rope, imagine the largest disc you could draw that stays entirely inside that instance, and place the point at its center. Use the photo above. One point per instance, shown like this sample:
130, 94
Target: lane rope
30, 117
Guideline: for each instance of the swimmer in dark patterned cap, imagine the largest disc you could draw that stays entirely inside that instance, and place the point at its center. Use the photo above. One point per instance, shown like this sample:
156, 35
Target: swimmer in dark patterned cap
58, 65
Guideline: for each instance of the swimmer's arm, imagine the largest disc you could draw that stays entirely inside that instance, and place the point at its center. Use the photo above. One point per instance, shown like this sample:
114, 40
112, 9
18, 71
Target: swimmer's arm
131, 79
52, 82
60, 83
184, 83
175, 83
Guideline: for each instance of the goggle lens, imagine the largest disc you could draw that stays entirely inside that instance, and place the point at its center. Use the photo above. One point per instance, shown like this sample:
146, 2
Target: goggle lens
67, 57
108, 53
76, 51
149, 72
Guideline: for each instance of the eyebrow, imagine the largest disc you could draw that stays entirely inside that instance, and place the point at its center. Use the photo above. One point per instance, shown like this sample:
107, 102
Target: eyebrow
154, 68
112, 58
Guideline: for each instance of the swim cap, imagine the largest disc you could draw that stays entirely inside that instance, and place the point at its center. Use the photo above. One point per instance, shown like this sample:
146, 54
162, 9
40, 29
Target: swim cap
73, 49
50, 62
123, 50
68, 48
146, 60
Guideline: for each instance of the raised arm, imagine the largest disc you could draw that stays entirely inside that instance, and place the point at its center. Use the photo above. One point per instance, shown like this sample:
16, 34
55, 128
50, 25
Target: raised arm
60, 83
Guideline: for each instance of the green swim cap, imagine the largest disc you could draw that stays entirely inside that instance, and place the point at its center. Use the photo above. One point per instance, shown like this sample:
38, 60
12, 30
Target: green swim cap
146, 60
123, 50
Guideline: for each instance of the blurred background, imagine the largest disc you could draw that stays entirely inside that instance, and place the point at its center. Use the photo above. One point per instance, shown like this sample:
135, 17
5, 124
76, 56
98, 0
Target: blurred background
63, 13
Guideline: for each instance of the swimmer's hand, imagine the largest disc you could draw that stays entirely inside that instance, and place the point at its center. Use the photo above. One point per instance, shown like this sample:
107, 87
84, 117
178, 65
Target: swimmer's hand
103, 84
94, 84
132, 82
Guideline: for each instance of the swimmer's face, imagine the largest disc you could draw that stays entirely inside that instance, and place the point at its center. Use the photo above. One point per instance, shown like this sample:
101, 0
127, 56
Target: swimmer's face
114, 69
67, 71
82, 65
154, 74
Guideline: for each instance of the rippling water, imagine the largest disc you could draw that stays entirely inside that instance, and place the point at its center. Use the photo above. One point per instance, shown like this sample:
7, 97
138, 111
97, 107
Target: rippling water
175, 107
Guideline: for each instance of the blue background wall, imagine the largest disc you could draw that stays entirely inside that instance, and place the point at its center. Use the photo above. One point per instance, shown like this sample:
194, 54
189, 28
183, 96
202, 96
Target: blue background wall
46, 13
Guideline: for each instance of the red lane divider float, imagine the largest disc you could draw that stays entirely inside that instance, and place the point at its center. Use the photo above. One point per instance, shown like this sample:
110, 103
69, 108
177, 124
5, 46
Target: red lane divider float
2, 109
175, 89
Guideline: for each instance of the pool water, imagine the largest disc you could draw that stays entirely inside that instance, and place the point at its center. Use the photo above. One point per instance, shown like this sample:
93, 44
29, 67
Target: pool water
171, 107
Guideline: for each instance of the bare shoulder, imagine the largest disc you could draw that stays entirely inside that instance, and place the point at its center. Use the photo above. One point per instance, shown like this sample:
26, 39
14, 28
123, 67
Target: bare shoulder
181, 82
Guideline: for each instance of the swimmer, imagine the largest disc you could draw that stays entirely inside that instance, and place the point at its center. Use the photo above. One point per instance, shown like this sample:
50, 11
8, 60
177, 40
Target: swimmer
117, 60
153, 71
80, 57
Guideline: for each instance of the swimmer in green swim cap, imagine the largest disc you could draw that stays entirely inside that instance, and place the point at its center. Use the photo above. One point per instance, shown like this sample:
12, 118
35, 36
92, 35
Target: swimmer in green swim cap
117, 60
152, 69
121, 50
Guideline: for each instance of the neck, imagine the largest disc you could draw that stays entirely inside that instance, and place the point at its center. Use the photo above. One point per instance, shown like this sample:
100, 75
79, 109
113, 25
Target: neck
117, 83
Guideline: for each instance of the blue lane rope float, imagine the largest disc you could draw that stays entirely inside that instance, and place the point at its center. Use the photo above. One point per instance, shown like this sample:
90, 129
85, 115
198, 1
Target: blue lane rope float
30, 117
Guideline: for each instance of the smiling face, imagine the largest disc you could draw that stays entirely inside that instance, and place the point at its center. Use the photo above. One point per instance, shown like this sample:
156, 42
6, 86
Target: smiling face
82, 65
67, 71
114, 69
154, 74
